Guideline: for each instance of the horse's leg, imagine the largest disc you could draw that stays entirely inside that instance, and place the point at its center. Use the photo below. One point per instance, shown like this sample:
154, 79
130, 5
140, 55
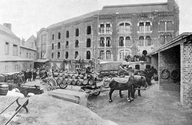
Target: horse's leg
110, 94
129, 95
120, 94
139, 92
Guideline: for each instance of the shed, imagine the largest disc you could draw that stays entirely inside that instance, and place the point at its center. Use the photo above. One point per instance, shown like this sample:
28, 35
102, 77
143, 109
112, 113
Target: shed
174, 63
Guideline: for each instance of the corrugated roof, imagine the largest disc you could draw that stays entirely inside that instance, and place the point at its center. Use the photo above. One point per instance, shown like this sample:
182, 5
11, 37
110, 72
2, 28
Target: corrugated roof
76, 19
5, 29
134, 8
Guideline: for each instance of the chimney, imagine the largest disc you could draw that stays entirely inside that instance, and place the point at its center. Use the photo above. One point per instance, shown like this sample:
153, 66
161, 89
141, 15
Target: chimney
8, 25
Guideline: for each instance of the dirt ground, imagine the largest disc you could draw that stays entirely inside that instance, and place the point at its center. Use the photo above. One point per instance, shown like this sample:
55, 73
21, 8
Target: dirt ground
155, 107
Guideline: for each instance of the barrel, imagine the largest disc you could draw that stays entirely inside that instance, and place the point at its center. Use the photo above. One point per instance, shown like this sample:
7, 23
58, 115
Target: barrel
85, 82
3, 89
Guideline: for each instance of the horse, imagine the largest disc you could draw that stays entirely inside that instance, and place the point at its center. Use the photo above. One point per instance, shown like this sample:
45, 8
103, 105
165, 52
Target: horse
122, 84
133, 83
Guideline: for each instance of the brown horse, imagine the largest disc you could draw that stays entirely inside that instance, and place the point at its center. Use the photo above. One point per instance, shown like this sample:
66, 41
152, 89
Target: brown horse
122, 84
132, 83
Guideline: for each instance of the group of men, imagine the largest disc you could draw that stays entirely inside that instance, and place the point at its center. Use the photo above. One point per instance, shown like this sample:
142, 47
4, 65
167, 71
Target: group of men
29, 75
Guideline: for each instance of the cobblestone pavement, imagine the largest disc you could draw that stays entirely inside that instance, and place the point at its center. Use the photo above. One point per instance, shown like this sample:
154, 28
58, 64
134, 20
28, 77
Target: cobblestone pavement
155, 107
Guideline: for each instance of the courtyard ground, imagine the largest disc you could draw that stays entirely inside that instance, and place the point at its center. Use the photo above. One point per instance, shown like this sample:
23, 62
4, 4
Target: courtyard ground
155, 107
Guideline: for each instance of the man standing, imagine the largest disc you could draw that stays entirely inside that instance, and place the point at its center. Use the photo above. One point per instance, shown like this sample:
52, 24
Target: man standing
30, 75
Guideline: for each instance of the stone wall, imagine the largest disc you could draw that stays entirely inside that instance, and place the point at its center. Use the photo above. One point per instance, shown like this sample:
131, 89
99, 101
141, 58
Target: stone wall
186, 64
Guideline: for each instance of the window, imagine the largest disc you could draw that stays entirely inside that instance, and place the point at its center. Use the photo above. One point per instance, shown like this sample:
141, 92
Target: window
88, 55
108, 41
88, 30
58, 55
15, 50
52, 36
108, 28
101, 28
141, 27
77, 32
101, 54
121, 43
6, 48
141, 41
59, 35
59, 45
169, 25
148, 41
66, 55
67, 34
88, 42
102, 44
169, 37
148, 26
52, 46
162, 26
52, 55
76, 54
76, 43
67, 44
128, 41
108, 54
29, 55
123, 53
162, 39
124, 27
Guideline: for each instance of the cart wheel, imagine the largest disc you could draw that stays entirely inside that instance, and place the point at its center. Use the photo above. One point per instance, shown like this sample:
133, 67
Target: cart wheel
96, 93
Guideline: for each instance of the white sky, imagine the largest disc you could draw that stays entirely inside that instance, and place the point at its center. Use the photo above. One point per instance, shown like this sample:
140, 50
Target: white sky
29, 16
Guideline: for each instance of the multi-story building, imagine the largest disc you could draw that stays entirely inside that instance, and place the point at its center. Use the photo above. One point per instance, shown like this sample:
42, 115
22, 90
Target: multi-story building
13, 50
111, 33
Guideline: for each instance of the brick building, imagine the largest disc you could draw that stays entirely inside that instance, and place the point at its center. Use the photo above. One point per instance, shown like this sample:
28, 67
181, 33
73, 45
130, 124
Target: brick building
174, 63
111, 33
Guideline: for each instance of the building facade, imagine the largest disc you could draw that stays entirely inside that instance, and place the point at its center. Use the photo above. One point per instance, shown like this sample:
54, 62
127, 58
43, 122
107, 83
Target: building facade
110, 34
12, 51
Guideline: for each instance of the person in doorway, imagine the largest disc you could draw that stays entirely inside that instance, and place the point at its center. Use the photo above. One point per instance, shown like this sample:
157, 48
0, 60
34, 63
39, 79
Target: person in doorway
34, 74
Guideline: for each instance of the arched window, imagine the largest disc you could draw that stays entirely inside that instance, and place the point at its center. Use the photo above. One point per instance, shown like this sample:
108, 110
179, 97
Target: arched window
67, 44
147, 26
128, 41
148, 41
162, 39
88, 30
124, 27
121, 41
162, 26
108, 54
88, 42
102, 44
52, 46
76, 43
58, 55
59, 35
108, 28
141, 41
108, 41
59, 45
76, 54
77, 32
67, 34
66, 55
169, 25
88, 55
52, 36
101, 28
169, 37
52, 55
141, 27
101, 54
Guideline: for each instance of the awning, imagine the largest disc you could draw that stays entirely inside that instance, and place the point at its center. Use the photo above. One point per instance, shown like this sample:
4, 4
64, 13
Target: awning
42, 60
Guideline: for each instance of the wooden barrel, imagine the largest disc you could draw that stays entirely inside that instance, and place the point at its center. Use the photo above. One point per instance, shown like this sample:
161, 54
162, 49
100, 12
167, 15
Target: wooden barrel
91, 82
69, 81
59, 80
3, 89
85, 81
2, 78
74, 82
